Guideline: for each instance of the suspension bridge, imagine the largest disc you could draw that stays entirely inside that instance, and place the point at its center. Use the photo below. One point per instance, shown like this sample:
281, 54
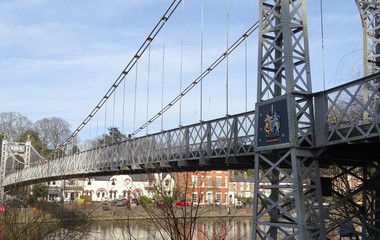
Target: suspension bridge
293, 135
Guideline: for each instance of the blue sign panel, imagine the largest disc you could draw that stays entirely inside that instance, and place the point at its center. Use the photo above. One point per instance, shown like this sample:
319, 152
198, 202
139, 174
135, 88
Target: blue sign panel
273, 123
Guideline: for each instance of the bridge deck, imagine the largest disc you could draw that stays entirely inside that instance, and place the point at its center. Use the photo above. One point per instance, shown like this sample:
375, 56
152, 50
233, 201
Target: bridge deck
346, 128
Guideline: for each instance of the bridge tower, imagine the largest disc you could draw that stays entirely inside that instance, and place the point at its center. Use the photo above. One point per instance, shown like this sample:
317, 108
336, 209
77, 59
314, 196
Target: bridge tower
10, 150
285, 146
370, 16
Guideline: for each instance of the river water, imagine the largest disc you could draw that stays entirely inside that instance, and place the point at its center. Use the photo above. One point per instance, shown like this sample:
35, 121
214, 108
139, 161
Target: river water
205, 229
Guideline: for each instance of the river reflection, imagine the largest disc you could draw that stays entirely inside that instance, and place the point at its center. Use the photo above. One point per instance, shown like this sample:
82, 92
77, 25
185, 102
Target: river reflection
205, 229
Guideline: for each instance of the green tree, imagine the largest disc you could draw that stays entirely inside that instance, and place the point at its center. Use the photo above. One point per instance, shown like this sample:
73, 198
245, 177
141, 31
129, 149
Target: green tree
116, 135
36, 141
40, 190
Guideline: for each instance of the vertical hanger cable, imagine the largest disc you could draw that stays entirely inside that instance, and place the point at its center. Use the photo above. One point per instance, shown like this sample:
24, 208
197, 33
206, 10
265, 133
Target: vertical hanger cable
123, 113
135, 101
163, 76
246, 74
201, 83
227, 32
147, 90
105, 121
323, 46
113, 115
181, 62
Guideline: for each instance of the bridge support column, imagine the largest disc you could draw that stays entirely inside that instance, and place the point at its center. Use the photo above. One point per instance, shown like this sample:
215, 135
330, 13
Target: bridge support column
287, 196
377, 203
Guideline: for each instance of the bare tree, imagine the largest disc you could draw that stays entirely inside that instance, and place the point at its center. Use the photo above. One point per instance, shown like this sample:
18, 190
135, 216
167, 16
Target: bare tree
31, 217
53, 131
13, 125
174, 211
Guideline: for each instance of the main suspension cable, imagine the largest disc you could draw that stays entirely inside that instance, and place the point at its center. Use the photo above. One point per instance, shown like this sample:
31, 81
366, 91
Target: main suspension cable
170, 10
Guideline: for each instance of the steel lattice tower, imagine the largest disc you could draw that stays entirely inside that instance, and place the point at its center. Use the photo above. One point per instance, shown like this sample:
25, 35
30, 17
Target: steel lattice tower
9, 150
370, 16
285, 128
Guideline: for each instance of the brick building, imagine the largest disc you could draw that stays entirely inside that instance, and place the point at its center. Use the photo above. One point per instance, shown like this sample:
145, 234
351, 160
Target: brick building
204, 187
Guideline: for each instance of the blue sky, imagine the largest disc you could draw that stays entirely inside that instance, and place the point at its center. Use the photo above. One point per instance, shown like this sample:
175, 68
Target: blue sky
58, 58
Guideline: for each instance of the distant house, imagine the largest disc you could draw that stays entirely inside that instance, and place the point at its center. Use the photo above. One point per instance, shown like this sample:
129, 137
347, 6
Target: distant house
204, 187
109, 187
125, 186
241, 186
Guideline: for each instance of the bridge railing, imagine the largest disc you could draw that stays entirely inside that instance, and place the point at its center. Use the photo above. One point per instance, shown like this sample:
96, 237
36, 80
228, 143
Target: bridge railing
219, 139
346, 113
351, 111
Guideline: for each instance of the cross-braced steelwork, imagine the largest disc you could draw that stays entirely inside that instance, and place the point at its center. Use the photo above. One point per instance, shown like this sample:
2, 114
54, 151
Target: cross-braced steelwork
346, 107
16, 156
222, 143
370, 15
285, 128
293, 137
355, 186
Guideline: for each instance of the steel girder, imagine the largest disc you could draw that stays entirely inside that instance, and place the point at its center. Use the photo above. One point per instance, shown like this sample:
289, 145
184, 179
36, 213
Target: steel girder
370, 15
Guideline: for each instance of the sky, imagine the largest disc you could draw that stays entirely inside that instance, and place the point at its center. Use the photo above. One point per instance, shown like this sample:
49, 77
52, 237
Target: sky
59, 58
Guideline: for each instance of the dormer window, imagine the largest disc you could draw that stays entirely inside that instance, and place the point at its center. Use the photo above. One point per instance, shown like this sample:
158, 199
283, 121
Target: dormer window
113, 180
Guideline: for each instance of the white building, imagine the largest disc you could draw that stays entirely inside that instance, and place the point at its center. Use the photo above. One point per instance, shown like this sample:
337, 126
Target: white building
110, 187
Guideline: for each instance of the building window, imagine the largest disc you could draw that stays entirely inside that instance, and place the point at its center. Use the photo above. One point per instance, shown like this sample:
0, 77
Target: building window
218, 181
209, 181
127, 182
202, 181
194, 181
194, 198
208, 197
167, 182
226, 181
218, 198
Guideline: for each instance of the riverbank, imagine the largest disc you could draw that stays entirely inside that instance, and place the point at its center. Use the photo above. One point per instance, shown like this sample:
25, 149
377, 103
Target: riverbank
105, 213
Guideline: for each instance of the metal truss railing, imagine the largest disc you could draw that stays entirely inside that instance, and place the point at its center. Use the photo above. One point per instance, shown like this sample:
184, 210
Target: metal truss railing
353, 110
230, 136
349, 113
